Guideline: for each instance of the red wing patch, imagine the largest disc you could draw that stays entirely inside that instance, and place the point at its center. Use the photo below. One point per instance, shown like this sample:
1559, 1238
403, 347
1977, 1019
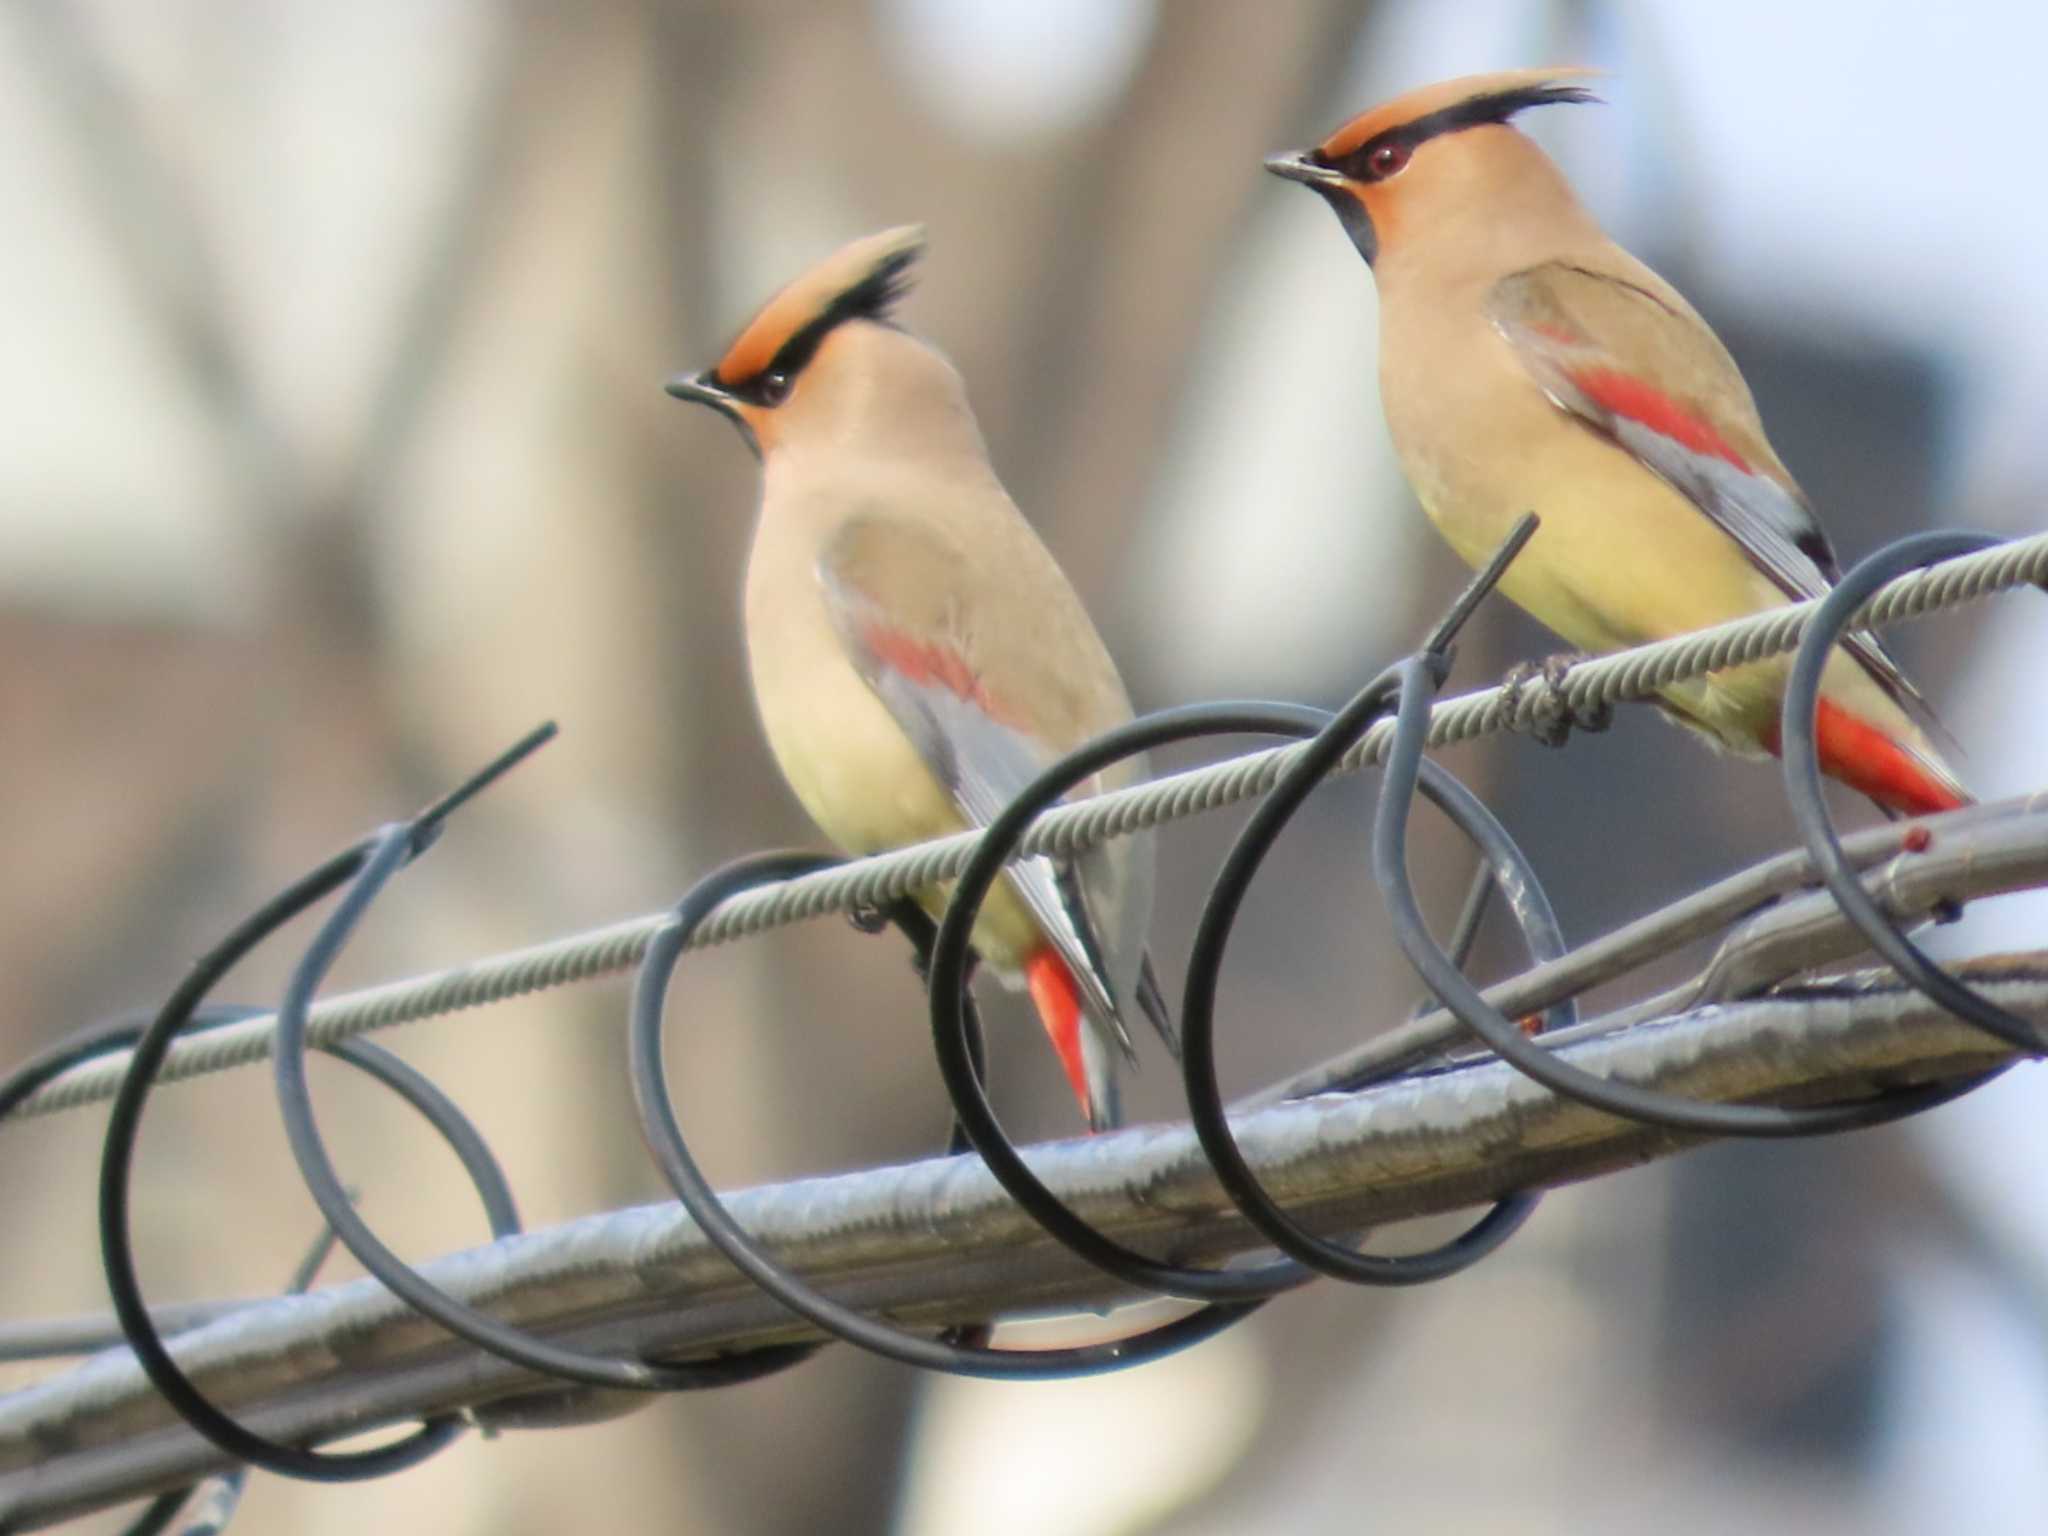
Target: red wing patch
929, 664
1624, 395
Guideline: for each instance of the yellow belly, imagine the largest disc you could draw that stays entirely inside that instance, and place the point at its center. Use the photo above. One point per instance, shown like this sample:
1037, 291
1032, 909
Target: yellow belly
853, 769
1621, 557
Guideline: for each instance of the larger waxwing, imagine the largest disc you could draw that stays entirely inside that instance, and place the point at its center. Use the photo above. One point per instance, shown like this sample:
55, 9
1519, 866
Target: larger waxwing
1528, 363
917, 656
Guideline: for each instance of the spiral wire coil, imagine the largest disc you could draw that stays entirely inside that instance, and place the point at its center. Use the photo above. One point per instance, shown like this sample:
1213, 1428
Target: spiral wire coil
1391, 721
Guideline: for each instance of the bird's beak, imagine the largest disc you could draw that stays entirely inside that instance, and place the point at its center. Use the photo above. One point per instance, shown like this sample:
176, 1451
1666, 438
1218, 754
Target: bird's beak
703, 388
1334, 188
1301, 167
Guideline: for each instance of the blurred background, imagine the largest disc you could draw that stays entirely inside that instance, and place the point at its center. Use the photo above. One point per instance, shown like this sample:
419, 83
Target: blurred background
336, 456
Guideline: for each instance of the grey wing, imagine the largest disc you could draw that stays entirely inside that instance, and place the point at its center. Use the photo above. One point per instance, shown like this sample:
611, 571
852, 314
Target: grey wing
1657, 382
923, 676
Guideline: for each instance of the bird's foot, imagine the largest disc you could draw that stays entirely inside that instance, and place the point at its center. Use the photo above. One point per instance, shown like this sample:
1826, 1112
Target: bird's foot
1549, 716
870, 919
906, 915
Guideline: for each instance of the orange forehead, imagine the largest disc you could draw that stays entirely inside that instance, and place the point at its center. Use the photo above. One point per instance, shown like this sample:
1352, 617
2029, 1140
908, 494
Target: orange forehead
1374, 121
807, 297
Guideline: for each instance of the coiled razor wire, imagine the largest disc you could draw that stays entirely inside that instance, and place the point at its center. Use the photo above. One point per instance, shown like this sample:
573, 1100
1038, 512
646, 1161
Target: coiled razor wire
1391, 721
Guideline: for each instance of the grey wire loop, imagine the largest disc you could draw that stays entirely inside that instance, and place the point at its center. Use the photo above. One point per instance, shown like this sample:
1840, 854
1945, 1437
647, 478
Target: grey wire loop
971, 1107
665, 1139
1418, 683
1333, 737
389, 850
413, 1087
997, 845
1798, 728
1531, 908
116, 1252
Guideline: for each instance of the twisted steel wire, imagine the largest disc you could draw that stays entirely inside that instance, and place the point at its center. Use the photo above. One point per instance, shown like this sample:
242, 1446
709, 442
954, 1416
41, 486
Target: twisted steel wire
880, 880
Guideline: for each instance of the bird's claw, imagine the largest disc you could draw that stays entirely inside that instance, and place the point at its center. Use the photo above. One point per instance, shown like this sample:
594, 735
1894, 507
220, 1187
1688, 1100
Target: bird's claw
905, 914
869, 919
1549, 717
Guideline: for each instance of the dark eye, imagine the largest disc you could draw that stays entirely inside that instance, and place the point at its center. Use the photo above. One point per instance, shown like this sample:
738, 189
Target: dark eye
772, 387
1387, 160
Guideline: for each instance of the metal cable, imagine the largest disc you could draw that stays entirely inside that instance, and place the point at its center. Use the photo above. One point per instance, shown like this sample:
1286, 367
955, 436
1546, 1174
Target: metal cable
1802, 785
386, 852
1356, 734
1648, 1106
877, 881
949, 1353
1505, 866
939, 1240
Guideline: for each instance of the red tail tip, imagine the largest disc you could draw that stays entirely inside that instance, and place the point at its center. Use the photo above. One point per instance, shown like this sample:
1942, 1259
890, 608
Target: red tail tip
1058, 998
1871, 763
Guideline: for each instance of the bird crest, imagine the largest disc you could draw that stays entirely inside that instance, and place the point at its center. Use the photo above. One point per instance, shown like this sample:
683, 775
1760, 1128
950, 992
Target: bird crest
1467, 102
859, 281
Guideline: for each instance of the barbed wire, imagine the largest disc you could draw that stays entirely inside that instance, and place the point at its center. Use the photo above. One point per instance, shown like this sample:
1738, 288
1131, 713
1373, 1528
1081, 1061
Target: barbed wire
882, 879
945, 1247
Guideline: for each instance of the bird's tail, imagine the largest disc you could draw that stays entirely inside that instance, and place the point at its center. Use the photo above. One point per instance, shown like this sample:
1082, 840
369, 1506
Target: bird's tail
1090, 1067
1898, 775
